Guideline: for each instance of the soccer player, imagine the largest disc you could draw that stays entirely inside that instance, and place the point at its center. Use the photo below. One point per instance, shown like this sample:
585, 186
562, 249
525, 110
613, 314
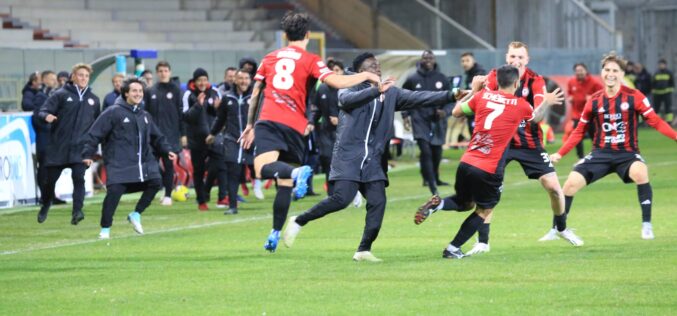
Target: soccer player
614, 112
284, 79
479, 177
580, 89
365, 125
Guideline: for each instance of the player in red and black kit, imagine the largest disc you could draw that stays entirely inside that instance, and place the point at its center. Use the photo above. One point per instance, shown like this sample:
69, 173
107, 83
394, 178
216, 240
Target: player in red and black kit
614, 112
284, 76
579, 90
479, 177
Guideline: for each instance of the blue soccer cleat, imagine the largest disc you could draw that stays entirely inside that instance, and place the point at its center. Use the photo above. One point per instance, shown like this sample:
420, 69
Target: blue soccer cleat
301, 182
272, 241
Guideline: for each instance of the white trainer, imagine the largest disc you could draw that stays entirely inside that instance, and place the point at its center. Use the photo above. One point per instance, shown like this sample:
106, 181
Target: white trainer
104, 234
550, 235
258, 193
166, 201
478, 248
647, 231
357, 201
366, 256
134, 218
569, 236
291, 231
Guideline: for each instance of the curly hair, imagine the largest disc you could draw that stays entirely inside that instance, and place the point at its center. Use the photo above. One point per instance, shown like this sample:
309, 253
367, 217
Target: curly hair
295, 25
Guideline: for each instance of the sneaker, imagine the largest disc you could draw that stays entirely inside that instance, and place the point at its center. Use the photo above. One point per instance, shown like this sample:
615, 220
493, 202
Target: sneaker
457, 254
357, 201
223, 203
166, 201
550, 235
105, 233
647, 231
441, 183
230, 211
366, 256
42, 215
203, 207
271, 242
77, 217
569, 236
478, 248
134, 218
301, 182
427, 209
291, 231
57, 201
258, 193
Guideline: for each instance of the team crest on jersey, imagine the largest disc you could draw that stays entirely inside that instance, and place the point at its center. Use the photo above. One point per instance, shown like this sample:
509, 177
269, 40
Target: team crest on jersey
153, 97
169, 95
90, 101
418, 86
210, 101
438, 85
525, 92
625, 106
601, 110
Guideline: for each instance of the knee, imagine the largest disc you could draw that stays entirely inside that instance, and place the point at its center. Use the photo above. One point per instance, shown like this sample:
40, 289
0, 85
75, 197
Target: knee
467, 206
340, 199
639, 173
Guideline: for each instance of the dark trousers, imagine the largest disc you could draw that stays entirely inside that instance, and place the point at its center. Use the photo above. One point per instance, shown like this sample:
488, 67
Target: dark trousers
233, 173
591, 133
325, 163
78, 176
344, 192
662, 99
167, 175
199, 160
115, 191
216, 171
430, 158
41, 171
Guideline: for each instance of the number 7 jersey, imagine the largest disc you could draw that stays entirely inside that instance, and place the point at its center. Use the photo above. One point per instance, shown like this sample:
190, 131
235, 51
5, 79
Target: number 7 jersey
286, 72
497, 116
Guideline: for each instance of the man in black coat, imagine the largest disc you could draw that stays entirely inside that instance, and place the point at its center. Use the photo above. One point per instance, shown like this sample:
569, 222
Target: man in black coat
429, 124
109, 99
30, 91
326, 120
71, 111
42, 128
472, 69
365, 121
129, 138
163, 103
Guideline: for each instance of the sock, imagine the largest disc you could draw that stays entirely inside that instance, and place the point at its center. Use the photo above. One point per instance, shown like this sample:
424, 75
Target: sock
560, 222
276, 170
281, 206
105, 229
568, 200
483, 233
468, 228
567, 203
645, 195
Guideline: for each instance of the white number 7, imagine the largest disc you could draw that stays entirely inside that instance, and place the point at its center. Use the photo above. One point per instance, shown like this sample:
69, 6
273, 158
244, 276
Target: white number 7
497, 110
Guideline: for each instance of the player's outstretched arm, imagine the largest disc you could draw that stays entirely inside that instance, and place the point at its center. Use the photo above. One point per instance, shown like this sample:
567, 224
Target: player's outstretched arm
347, 81
661, 126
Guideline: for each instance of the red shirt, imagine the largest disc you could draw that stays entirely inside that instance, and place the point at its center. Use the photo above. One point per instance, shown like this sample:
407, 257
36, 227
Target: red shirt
286, 72
579, 91
497, 116
615, 121
532, 88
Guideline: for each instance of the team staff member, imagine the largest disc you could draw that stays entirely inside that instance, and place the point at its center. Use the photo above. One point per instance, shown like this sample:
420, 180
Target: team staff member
579, 90
328, 112
110, 98
128, 136
472, 68
614, 111
71, 111
163, 103
663, 86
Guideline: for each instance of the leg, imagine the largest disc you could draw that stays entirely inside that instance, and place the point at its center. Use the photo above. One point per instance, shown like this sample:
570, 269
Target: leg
168, 176
639, 174
437, 159
579, 147
468, 228
47, 196
344, 192
198, 159
233, 172
375, 194
550, 183
110, 203
151, 189
427, 168
78, 176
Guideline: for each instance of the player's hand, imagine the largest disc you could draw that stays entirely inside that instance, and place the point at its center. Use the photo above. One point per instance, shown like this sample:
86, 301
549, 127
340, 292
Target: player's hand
210, 139
172, 156
333, 120
87, 162
478, 83
386, 84
554, 98
50, 118
184, 141
407, 123
247, 137
201, 98
309, 129
554, 158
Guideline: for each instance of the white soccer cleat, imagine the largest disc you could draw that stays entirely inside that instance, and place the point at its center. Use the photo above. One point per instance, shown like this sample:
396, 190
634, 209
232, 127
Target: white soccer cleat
569, 236
357, 201
366, 256
258, 192
291, 231
647, 231
550, 235
134, 218
166, 201
478, 248
105, 233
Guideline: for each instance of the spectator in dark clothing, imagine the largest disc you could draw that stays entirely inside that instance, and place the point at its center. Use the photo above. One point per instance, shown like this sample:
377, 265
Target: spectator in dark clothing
663, 86
42, 129
249, 64
109, 99
326, 120
472, 69
71, 111
147, 78
62, 77
228, 80
30, 91
642, 79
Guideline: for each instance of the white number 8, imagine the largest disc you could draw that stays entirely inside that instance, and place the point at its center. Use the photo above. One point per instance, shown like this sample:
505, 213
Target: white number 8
497, 110
283, 79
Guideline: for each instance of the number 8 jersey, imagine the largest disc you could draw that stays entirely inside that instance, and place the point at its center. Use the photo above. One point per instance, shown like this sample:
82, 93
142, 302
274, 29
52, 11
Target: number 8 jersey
286, 72
497, 116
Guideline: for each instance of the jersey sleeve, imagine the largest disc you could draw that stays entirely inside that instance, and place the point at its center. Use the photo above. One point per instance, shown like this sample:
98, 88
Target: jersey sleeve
538, 89
318, 69
491, 84
261, 72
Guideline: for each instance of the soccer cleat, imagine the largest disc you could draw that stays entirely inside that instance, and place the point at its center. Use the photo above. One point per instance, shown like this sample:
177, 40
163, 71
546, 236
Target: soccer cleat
203, 207
272, 241
550, 235
357, 201
366, 256
427, 209
42, 215
478, 248
291, 232
647, 231
223, 203
301, 182
457, 254
77, 217
166, 201
105, 233
441, 183
569, 236
134, 218
230, 211
258, 193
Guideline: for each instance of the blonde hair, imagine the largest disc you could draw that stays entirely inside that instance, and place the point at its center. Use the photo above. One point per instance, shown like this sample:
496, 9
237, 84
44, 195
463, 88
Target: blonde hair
118, 76
518, 45
81, 66
611, 57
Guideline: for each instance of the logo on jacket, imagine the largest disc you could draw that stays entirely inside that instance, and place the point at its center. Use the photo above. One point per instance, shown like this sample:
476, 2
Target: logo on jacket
90, 101
525, 92
145, 118
153, 97
126, 120
69, 99
324, 96
625, 106
210, 101
169, 95
230, 102
438, 85
418, 86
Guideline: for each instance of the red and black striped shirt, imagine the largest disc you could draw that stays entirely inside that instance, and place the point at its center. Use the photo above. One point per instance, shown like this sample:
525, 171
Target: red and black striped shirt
615, 119
532, 88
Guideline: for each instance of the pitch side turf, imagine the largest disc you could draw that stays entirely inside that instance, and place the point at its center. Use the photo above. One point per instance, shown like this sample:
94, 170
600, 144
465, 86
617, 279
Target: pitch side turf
193, 263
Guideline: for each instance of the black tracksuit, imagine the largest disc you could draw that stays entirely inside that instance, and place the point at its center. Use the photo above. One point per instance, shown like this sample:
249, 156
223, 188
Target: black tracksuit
163, 103
42, 131
129, 138
476, 70
365, 123
75, 110
327, 104
429, 127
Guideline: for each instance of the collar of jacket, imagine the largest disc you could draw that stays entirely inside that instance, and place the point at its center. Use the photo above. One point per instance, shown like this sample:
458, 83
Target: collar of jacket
70, 86
123, 103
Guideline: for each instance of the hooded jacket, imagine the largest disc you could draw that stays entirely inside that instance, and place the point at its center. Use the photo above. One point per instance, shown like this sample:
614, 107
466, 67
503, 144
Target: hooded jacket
163, 103
42, 128
365, 121
426, 123
129, 138
28, 98
198, 118
75, 110
233, 114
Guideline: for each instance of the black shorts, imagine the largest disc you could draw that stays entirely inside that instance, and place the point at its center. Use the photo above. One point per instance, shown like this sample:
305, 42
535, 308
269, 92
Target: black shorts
599, 163
273, 136
534, 162
476, 185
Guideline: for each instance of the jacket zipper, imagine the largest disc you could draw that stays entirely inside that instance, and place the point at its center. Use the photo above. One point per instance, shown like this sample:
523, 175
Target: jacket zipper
139, 155
239, 123
366, 139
